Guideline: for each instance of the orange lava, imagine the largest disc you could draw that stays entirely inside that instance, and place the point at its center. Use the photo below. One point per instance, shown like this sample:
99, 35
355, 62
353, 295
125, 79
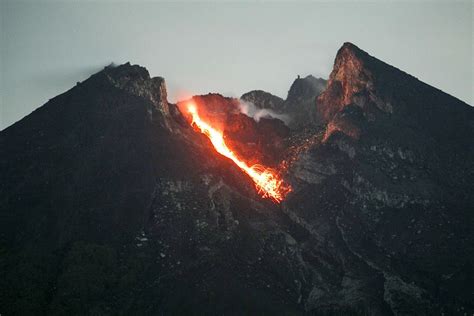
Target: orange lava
267, 181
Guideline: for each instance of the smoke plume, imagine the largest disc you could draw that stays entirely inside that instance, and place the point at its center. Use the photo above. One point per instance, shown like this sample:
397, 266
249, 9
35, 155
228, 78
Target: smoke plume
249, 109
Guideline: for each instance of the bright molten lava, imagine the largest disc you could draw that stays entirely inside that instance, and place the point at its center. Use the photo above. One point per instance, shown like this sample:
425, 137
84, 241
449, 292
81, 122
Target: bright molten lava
267, 181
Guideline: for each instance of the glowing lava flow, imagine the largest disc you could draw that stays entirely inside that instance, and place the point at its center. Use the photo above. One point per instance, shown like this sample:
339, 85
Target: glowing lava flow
267, 181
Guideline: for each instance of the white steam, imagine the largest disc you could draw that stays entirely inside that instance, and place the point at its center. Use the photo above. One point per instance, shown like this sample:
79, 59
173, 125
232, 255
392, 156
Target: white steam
249, 109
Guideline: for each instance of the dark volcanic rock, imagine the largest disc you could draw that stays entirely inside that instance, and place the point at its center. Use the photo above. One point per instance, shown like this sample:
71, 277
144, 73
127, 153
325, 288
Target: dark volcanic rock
390, 180
299, 104
304, 89
382, 91
78, 175
300, 101
376, 87
112, 204
263, 100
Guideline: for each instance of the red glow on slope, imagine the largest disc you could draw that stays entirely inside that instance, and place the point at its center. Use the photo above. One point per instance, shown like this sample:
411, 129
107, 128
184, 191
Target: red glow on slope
267, 181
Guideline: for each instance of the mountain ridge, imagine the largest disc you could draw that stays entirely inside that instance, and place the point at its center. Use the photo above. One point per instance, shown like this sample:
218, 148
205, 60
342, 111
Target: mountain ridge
109, 193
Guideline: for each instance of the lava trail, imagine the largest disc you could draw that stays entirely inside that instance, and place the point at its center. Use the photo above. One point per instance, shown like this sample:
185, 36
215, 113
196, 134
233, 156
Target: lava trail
267, 181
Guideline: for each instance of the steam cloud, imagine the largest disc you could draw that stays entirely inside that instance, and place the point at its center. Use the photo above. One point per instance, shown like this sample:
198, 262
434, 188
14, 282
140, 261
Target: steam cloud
249, 109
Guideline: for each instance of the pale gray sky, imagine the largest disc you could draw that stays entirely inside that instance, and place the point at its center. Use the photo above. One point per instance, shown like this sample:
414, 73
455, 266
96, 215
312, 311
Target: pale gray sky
231, 48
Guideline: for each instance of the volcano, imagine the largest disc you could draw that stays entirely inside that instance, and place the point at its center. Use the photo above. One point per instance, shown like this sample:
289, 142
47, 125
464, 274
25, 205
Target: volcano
115, 201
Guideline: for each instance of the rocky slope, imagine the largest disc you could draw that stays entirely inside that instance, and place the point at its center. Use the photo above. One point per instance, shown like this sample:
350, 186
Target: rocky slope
395, 149
112, 204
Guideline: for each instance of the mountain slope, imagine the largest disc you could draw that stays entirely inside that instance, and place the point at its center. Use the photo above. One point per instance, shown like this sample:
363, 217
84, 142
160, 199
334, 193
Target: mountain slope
400, 155
109, 193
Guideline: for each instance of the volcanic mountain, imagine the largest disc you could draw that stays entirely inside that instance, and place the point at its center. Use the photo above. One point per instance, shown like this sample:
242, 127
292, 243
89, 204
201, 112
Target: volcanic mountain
113, 203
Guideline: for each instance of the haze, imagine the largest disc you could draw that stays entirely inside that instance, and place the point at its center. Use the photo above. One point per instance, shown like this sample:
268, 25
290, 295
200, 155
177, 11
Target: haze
230, 48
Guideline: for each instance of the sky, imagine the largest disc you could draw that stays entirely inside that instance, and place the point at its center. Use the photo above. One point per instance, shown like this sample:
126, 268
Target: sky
226, 47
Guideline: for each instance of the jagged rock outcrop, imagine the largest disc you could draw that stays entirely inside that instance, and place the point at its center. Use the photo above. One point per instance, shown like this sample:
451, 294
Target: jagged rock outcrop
263, 100
387, 95
304, 89
300, 101
136, 80
351, 81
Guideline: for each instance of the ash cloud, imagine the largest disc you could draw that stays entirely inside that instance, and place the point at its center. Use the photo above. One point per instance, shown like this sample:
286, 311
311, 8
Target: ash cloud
251, 110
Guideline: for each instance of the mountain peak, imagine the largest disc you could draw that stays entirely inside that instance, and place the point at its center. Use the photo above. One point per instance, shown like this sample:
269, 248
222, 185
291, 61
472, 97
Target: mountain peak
263, 99
304, 88
135, 80
126, 70
351, 77
371, 84
350, 48
380, 91
351, 58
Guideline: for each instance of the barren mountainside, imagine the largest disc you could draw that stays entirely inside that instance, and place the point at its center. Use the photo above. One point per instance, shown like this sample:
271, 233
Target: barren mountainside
111, 203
